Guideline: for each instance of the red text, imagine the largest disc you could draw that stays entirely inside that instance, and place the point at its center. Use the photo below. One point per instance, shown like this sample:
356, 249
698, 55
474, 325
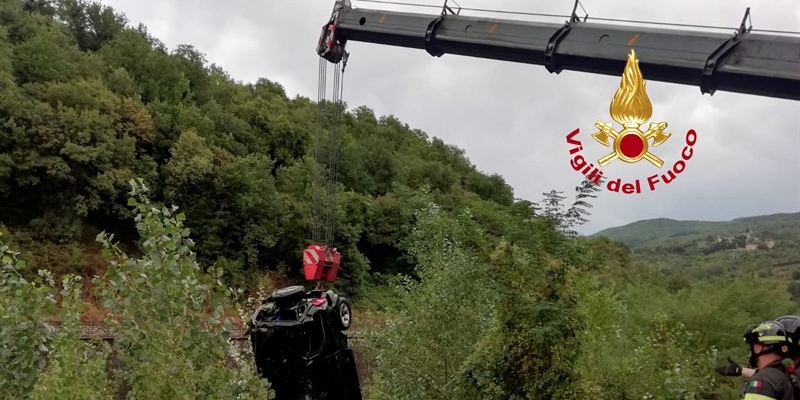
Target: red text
679, 166
578, 163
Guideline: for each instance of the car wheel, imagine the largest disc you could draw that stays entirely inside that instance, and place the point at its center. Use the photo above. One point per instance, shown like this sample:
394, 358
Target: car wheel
344, 314
289, 291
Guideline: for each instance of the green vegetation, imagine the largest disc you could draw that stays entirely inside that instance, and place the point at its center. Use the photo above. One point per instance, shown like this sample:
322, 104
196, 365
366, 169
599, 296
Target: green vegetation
665, 231
464, 290
533, 314
763, 246
89, 104
170, 346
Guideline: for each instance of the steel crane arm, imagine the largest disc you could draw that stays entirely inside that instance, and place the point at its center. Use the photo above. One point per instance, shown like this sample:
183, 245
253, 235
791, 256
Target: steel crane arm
744, 62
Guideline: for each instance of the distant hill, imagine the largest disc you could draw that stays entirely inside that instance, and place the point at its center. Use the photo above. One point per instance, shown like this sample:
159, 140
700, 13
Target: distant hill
666, 231
764, 246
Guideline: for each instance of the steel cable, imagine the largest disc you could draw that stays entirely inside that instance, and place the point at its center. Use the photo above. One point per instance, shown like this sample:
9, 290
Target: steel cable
324, 235
316, 229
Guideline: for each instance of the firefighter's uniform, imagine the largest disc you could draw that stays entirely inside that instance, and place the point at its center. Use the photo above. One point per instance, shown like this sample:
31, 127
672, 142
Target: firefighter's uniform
769, 383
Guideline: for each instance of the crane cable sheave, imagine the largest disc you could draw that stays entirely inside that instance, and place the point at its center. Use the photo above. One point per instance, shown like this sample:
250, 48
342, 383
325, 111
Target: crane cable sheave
330, 46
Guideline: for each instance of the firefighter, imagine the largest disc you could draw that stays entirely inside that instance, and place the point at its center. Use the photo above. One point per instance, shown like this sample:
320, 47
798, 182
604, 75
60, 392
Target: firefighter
769, 345
792, 325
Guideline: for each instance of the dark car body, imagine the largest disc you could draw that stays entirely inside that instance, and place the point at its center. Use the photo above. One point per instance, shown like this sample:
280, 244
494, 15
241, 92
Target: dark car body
300, 346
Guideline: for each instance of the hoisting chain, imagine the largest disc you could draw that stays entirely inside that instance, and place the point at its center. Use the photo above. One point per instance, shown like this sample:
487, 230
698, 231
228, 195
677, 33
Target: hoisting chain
318, 236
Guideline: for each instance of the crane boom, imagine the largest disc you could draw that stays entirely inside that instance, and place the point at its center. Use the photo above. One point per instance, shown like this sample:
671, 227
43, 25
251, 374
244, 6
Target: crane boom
744, 62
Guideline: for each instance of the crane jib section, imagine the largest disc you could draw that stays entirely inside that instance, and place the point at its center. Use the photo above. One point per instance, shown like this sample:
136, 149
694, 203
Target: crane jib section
742, 61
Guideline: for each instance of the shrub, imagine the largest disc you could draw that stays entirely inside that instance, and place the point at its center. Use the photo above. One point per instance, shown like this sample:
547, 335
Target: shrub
168, 319
168, 315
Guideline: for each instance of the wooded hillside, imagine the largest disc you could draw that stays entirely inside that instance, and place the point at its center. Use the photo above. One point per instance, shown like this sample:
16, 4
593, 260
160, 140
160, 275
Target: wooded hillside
765, 246
463, 291
89, 104
660, 231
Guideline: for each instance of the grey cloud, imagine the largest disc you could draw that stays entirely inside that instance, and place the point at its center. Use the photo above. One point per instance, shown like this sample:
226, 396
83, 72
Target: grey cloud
512, 119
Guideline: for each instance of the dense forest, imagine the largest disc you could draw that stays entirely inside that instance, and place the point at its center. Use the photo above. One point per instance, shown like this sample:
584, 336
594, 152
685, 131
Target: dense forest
147, 183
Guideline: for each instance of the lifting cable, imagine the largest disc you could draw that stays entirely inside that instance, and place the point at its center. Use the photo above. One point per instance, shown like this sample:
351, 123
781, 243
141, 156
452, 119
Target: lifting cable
319, 236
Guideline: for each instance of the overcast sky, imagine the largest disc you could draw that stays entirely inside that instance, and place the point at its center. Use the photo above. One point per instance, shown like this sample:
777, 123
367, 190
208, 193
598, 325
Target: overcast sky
512, 119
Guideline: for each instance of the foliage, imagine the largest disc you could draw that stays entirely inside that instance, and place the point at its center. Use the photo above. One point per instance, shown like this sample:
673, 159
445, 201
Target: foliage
485, 315
644, 341
90, 102
75, 369
425, 347
486, 295
168, 318
577, 213
544, 315
662, 231
24, 334
744, 248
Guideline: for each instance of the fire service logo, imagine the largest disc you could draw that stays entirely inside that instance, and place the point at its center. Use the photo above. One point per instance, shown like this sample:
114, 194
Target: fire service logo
631, 108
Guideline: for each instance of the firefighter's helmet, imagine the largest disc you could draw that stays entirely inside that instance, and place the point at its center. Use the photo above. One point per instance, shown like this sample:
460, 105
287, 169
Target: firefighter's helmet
792, 325
771, 334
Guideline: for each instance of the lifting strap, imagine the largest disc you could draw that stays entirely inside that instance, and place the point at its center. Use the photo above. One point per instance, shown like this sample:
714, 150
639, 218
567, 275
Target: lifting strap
325, 235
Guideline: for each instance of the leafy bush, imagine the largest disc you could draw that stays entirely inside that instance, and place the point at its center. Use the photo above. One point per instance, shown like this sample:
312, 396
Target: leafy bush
422, 349
75, 369
24, 335
170, 345
503, 312
484, 321
167, 315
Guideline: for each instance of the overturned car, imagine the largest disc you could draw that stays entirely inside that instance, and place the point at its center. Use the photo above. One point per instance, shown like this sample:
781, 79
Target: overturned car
300, 346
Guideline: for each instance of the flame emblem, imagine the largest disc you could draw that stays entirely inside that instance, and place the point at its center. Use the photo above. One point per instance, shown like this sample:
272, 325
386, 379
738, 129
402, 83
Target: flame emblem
631, 108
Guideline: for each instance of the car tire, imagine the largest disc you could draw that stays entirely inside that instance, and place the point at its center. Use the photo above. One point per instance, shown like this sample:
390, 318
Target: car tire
343, 314
288, 292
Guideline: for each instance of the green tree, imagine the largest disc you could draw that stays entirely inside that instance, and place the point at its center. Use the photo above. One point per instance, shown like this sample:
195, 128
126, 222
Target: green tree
577, 214
90, 23
484, 315
167, 314
423, 348
24, 334
75, 369
169, 343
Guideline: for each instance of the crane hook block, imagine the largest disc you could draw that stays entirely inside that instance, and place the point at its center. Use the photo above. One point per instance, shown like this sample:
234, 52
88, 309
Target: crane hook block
329, 46
321, 263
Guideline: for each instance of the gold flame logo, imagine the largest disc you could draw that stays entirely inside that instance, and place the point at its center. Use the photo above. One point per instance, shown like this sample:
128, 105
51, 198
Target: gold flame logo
631, 108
